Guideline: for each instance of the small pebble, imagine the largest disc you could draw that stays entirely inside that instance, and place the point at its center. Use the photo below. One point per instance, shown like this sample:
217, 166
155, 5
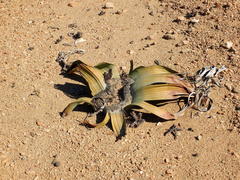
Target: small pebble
166, 160
130, 52
150, 37
194, 21
70, 5
73, 25
237, 108
170, 32
151, 13
38, 123
195, 154
178, 133
190, 129
118, 12
31, 48
185, 42
235, 90
130, 178
32, 134
179, 157
78, 35
185, 50
73, 4
56, 163
30, 172
198, 137
109, 5
30, 22
182, 43
169, 171
36, 178
228, 86
179, 19
101, 13
58, 40
227, 44
81, 40
124, 67
168, 37
159, 124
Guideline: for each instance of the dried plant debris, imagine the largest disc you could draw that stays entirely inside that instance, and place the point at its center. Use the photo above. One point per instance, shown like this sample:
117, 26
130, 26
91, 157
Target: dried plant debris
115, 93
63, 57
203, 81
173, 130
137, 117
59, 40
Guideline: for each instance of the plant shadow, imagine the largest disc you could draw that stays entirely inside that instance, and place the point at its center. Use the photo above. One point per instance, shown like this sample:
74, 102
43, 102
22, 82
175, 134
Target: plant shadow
153, 118
74, 90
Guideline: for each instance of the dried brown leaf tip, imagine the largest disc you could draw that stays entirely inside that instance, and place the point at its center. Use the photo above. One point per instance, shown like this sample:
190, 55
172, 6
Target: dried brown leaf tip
144, 90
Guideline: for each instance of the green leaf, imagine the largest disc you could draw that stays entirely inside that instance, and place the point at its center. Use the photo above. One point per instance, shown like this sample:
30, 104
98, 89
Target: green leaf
118, 122
74, 104
158, 111
93, 76
159, 92
161, 79
141, 71
101, 124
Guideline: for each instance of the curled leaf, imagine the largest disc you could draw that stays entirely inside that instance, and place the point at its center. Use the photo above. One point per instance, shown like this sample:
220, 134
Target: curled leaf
101, 124
118, 123
74, 104
158, 111
93, 76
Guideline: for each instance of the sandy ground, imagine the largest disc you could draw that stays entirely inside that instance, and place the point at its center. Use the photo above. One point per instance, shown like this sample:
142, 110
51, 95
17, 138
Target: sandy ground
37, 144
